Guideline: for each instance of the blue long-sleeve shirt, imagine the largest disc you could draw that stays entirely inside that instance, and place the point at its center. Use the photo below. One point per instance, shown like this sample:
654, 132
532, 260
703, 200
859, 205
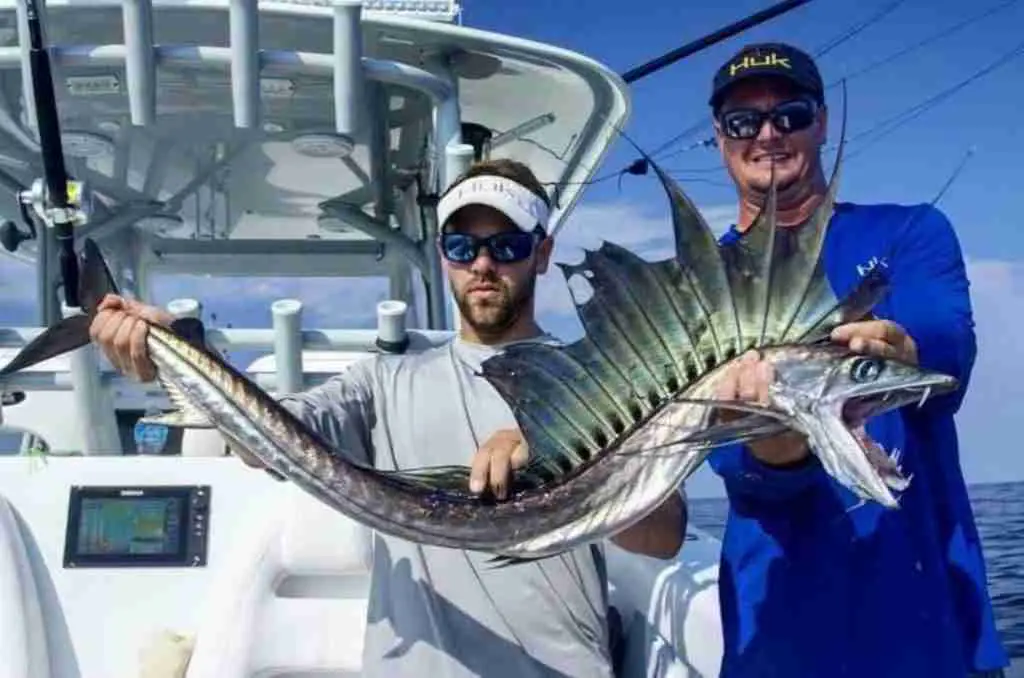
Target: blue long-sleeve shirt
812, 587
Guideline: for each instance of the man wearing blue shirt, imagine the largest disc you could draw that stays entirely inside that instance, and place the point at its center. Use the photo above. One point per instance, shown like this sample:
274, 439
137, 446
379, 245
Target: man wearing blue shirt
811, 584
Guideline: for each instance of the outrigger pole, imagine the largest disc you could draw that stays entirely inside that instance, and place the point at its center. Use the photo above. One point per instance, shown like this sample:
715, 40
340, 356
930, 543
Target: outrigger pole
697, 45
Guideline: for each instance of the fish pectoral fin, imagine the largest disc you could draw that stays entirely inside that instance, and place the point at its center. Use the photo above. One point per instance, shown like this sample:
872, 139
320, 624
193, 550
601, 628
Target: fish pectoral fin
182, 418
501, 562
745, 429
741, 406
759, 422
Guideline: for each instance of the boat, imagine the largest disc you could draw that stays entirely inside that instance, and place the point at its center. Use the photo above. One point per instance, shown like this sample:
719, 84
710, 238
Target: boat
230, 139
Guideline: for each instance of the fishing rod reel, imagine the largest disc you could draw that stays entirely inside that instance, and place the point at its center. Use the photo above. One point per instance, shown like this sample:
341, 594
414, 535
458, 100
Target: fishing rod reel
75, 211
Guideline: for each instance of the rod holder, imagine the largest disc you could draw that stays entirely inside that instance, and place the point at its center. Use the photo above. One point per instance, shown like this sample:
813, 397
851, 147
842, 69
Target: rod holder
96, 412
458, 158
391, 334
349, 76
185, 308
245, 63
140, 60
287, 315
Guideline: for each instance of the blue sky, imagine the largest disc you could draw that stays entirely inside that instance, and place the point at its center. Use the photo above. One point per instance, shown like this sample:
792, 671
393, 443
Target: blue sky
909, 165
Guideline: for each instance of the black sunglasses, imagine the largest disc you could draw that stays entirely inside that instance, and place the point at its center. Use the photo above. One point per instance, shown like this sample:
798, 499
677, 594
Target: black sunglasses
507, 247
788, 117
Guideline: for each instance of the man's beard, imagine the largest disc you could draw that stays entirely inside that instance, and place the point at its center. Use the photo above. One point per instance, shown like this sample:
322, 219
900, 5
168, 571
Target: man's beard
495, 315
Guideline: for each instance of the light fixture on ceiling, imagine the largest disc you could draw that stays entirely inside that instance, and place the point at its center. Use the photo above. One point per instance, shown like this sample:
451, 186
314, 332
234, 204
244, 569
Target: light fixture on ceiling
324, 145
87, 145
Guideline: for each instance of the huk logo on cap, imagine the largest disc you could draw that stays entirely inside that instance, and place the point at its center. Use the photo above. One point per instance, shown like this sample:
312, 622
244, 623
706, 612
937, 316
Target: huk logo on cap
749, 61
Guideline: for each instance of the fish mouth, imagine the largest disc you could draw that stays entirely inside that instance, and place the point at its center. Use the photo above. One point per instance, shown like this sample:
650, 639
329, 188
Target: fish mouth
869, 402
857, 410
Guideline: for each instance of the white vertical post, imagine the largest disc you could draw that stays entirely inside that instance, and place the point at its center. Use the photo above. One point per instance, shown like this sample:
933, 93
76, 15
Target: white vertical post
24, 42
458, 158
391, 334
98, 426
185, 308
140, 61
287, 315
245, 63
349, 79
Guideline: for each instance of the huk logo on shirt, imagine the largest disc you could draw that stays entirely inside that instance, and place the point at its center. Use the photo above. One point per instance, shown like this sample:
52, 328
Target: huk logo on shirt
748, 61
870, 265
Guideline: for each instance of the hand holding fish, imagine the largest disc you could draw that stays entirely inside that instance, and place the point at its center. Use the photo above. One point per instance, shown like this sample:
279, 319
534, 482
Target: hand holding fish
494, 462
120, 328
747, 380
882, 338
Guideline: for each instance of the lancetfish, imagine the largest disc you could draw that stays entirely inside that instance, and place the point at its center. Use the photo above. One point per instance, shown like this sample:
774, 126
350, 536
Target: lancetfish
614, 422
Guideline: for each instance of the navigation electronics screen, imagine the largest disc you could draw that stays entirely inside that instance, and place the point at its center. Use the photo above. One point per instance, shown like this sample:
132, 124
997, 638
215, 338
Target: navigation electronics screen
136, 526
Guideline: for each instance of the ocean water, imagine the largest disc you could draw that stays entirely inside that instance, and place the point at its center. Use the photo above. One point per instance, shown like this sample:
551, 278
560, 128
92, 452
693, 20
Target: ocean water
999, 511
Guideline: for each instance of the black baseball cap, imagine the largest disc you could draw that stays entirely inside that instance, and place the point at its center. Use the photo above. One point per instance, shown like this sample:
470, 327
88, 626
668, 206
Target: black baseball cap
774, 59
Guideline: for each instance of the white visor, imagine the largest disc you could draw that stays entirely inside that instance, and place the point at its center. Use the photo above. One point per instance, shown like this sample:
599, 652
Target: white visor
518, 203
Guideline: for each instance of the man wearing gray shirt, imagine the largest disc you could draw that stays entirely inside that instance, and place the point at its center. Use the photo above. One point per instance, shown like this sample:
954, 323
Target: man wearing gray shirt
437, 612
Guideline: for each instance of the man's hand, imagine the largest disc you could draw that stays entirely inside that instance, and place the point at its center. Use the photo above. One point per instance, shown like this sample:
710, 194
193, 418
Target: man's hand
881, 338
494, 462
120, 329
747, 380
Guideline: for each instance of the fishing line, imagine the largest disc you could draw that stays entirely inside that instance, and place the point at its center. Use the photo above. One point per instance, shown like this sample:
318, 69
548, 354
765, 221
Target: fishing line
880, 130
884, 61
829, 46
897, 121
927, 40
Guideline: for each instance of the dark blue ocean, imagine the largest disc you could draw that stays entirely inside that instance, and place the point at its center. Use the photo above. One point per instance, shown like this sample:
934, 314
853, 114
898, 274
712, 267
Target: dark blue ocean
999, 510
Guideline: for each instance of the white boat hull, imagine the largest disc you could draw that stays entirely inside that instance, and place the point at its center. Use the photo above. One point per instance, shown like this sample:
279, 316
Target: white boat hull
282, 590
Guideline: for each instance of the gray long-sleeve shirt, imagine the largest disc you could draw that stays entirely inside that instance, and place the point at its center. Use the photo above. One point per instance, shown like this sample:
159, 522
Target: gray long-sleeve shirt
434, 612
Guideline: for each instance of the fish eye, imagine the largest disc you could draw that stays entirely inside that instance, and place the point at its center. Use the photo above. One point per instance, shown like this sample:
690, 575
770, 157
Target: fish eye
866, 369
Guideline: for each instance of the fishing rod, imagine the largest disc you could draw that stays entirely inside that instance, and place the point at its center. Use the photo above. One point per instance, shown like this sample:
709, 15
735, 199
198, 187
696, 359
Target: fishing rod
56, 199
710, 39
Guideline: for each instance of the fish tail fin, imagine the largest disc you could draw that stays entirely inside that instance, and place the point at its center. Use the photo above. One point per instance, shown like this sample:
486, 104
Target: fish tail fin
95, 281
67, 335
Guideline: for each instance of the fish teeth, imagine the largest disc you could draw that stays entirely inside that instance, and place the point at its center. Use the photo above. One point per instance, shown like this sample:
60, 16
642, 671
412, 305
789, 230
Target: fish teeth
924, 396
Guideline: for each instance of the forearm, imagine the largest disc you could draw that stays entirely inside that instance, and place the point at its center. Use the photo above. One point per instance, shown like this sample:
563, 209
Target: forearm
660, 534
793, 471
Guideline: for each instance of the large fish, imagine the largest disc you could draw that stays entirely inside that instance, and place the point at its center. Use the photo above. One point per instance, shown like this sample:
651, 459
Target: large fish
614, 422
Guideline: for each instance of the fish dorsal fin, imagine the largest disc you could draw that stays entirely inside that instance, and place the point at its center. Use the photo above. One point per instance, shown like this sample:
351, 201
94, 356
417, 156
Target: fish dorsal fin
702, 271
801, 286
654, 328
749, 265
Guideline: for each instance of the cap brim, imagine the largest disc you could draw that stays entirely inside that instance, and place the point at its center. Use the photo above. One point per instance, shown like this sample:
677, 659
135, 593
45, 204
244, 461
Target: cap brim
525, 209
520, 217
